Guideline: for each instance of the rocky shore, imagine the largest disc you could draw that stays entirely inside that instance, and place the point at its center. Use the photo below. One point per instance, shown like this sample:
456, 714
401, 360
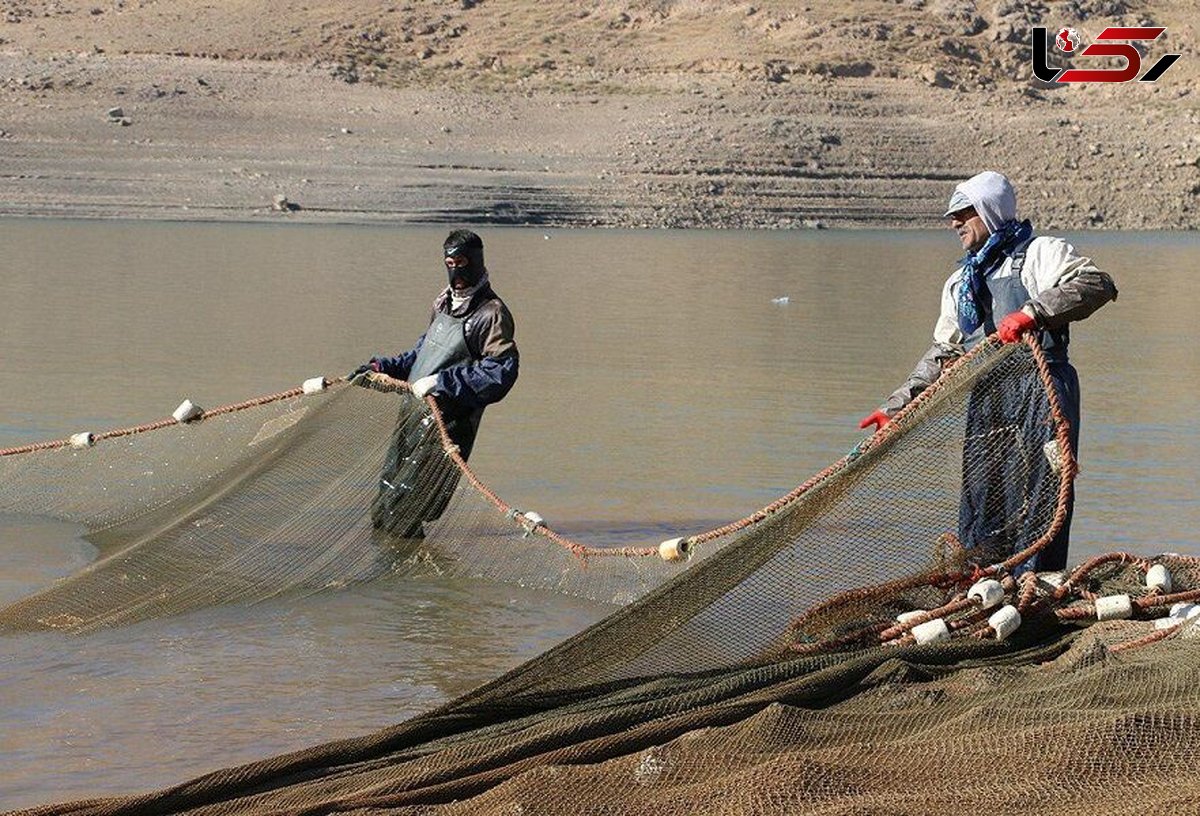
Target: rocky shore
758, 119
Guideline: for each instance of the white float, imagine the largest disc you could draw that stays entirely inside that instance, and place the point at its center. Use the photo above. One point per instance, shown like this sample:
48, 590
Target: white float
532, 521
1184, 610
1005, 621
1114, 607
1158, 577
931, 631
987, 593
187, 411
673, 549
83, 439
1053, 455
314, 385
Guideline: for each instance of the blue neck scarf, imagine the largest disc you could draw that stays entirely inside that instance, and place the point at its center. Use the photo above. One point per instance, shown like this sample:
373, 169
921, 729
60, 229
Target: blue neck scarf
976, 266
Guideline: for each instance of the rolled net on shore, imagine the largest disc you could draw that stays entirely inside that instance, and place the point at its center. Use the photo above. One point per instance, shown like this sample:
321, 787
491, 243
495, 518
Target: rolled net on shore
862, 645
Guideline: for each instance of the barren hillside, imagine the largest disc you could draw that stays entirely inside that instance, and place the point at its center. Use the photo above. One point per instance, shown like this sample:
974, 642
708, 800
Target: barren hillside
684, 112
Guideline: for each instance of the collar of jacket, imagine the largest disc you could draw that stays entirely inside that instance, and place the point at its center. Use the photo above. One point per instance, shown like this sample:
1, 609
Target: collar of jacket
484, 294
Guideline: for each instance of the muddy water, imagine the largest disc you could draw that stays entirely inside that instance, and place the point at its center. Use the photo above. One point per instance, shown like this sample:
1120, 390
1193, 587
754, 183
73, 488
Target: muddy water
663, 387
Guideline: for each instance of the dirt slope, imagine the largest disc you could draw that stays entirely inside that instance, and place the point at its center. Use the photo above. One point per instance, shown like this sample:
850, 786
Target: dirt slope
684, 113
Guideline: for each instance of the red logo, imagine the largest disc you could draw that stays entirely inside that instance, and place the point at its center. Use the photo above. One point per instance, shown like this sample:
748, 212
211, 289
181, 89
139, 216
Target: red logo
1112, 42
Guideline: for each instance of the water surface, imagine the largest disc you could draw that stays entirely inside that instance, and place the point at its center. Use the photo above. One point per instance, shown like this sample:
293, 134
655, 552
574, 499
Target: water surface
663, 389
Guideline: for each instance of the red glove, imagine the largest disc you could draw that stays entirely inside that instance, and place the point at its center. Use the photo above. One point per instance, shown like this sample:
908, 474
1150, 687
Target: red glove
878, 419
1014, 325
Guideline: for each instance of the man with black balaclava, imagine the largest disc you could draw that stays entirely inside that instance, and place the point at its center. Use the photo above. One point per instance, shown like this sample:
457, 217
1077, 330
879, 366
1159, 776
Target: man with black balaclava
466, 359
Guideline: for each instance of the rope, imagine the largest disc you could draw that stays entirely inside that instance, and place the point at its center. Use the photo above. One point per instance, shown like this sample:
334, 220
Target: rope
1087, 567
1028, 591
1070, 468
882, 437
451, 450
162, 423
1153, 637
836, 643
899, 425
1157, 601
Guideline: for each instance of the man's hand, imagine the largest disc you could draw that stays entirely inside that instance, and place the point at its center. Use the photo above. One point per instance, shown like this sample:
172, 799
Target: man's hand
879, 419
424, 385
372, 365
1014, 325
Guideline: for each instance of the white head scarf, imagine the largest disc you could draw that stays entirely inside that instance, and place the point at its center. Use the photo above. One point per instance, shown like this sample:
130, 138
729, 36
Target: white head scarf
991, 194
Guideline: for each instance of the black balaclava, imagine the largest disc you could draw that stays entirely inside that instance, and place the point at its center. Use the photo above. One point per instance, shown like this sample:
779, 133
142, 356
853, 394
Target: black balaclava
465, 244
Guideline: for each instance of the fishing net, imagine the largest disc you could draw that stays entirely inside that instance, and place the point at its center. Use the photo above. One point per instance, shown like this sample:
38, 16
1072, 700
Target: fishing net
876, 641
288, 494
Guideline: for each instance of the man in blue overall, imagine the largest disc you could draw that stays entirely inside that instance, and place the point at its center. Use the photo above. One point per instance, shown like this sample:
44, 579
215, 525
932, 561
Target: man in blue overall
1009, 283
466, 359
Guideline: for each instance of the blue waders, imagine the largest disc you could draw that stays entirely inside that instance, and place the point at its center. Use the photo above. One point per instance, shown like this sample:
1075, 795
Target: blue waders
1005, 496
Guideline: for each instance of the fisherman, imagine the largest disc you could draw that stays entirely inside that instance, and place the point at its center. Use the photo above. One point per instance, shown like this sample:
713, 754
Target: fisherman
1009, 283
466, 360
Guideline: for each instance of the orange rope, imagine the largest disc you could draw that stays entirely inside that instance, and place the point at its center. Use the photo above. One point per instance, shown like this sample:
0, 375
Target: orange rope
973, 625
1084, 569
1028, 591
580, 550
1066, 483
1153, 637
584, 551
1156, 601
162, 423
836, 643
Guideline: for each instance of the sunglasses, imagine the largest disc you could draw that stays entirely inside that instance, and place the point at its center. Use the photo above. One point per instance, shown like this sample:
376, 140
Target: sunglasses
965, 214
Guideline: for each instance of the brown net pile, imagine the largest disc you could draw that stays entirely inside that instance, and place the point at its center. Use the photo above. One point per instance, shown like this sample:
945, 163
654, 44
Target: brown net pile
871, 643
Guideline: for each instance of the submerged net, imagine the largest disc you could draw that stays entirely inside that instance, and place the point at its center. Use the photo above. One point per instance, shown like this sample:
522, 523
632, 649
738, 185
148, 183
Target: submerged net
873, 642
286, 494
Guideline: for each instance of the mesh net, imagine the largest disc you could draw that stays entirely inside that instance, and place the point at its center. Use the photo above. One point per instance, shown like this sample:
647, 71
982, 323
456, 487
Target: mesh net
292, 494
873, 642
